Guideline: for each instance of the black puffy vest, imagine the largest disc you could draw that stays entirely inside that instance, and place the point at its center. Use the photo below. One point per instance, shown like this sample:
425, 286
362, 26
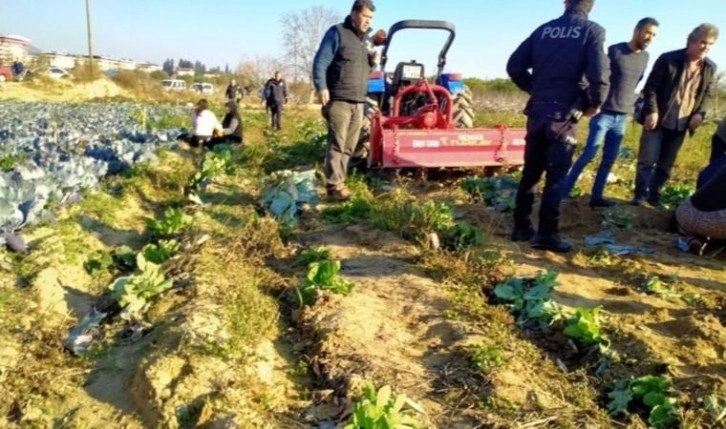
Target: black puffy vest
347, 76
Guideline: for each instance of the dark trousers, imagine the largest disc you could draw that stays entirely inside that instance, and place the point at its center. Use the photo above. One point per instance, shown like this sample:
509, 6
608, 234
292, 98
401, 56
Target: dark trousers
222, 140
657, 154
549, 148
276, 113
718, 148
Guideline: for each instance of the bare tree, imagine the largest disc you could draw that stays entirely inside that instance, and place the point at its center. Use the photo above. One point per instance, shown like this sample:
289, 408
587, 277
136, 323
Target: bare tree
302, 32
253, 72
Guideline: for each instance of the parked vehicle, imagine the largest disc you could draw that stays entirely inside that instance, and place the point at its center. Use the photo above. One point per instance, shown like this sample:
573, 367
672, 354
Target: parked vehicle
58, 73
174, 84
5, 74
203, 88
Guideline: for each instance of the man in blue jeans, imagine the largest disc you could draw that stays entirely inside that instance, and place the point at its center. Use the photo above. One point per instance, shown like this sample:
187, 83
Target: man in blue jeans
628, 61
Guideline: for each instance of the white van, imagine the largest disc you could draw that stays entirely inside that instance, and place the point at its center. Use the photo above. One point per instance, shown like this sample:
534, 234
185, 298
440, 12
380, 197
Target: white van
203, 88
174, 84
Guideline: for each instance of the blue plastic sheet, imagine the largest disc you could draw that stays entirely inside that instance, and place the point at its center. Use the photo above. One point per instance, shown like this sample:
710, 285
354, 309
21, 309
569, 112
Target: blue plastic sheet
606, 239
285, 192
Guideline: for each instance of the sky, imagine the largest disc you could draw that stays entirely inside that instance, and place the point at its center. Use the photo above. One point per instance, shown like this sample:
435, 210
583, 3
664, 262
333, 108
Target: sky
220, 32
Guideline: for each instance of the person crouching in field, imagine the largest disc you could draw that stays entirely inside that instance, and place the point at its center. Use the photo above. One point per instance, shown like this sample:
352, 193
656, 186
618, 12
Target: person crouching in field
718, 142
204, 123
701, 220
231, 127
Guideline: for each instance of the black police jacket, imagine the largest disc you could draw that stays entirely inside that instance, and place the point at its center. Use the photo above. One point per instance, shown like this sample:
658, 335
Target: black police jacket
564, 60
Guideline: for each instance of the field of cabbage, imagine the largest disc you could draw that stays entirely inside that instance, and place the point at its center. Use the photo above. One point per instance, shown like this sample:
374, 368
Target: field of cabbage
51, 152
145, 284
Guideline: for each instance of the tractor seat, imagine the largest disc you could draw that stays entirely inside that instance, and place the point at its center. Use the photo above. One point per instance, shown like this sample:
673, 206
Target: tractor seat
406, 74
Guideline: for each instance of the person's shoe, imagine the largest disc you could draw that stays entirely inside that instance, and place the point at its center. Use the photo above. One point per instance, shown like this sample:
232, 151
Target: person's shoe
339, 194
551, 242
637, 202
655, 203
522, 234
602, 202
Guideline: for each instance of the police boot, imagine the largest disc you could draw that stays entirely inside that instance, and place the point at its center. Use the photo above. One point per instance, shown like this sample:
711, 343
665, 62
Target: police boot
522, 233
551, 242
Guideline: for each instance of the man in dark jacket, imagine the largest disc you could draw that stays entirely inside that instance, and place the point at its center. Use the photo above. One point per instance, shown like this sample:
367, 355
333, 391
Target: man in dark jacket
340, 75
232, 93
676, 94
276, 95
550, 66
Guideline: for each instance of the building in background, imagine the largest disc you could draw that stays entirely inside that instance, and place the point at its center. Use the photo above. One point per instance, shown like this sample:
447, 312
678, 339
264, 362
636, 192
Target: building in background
148, 67
62, 60
184, 71
13, 48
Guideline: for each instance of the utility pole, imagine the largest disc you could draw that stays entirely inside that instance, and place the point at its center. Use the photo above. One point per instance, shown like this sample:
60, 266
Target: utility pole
90, 49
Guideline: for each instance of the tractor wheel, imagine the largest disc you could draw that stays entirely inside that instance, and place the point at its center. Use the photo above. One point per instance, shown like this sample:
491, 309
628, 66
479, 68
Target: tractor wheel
360, 155
464, 109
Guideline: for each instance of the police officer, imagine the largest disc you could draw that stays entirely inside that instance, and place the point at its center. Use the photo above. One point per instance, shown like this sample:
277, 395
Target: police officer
550, 66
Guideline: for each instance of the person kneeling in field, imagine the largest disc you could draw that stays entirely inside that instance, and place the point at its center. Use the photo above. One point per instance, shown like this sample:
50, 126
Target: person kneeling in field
231, 127
701, 220
204, 123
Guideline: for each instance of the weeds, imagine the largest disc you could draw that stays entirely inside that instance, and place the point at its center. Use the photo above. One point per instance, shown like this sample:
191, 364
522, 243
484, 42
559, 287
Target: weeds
649, 392
584, 327
530, 298
617, 219
215, 163
380, 410
655, 286
484, 358
174, 222
498, 193
133, 292
162, 251
674, 195
312, 255
357, 210
323, 276
9, 162
463, 236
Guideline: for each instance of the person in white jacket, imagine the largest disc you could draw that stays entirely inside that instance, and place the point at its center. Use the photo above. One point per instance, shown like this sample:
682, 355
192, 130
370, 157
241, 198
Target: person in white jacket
204, 123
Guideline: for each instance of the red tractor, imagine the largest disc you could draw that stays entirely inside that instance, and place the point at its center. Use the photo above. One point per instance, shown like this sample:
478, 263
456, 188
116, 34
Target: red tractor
413, 123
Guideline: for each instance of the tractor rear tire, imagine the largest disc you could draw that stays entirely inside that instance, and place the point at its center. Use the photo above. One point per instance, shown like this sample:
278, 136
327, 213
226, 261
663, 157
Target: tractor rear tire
463, 109
360, 154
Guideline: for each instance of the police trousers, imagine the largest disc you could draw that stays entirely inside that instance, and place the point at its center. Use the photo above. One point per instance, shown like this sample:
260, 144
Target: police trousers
550, 145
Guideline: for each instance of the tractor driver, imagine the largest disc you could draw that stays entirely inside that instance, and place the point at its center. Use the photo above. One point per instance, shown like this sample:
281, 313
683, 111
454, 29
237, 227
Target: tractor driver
550, 66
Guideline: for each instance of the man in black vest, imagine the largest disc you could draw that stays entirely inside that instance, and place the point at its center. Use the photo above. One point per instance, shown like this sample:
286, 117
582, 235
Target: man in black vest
550, 66
340, 75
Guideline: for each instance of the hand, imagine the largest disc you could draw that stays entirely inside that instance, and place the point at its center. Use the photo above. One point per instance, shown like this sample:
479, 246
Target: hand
324, 96
651, 121
695, 121
590, 112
